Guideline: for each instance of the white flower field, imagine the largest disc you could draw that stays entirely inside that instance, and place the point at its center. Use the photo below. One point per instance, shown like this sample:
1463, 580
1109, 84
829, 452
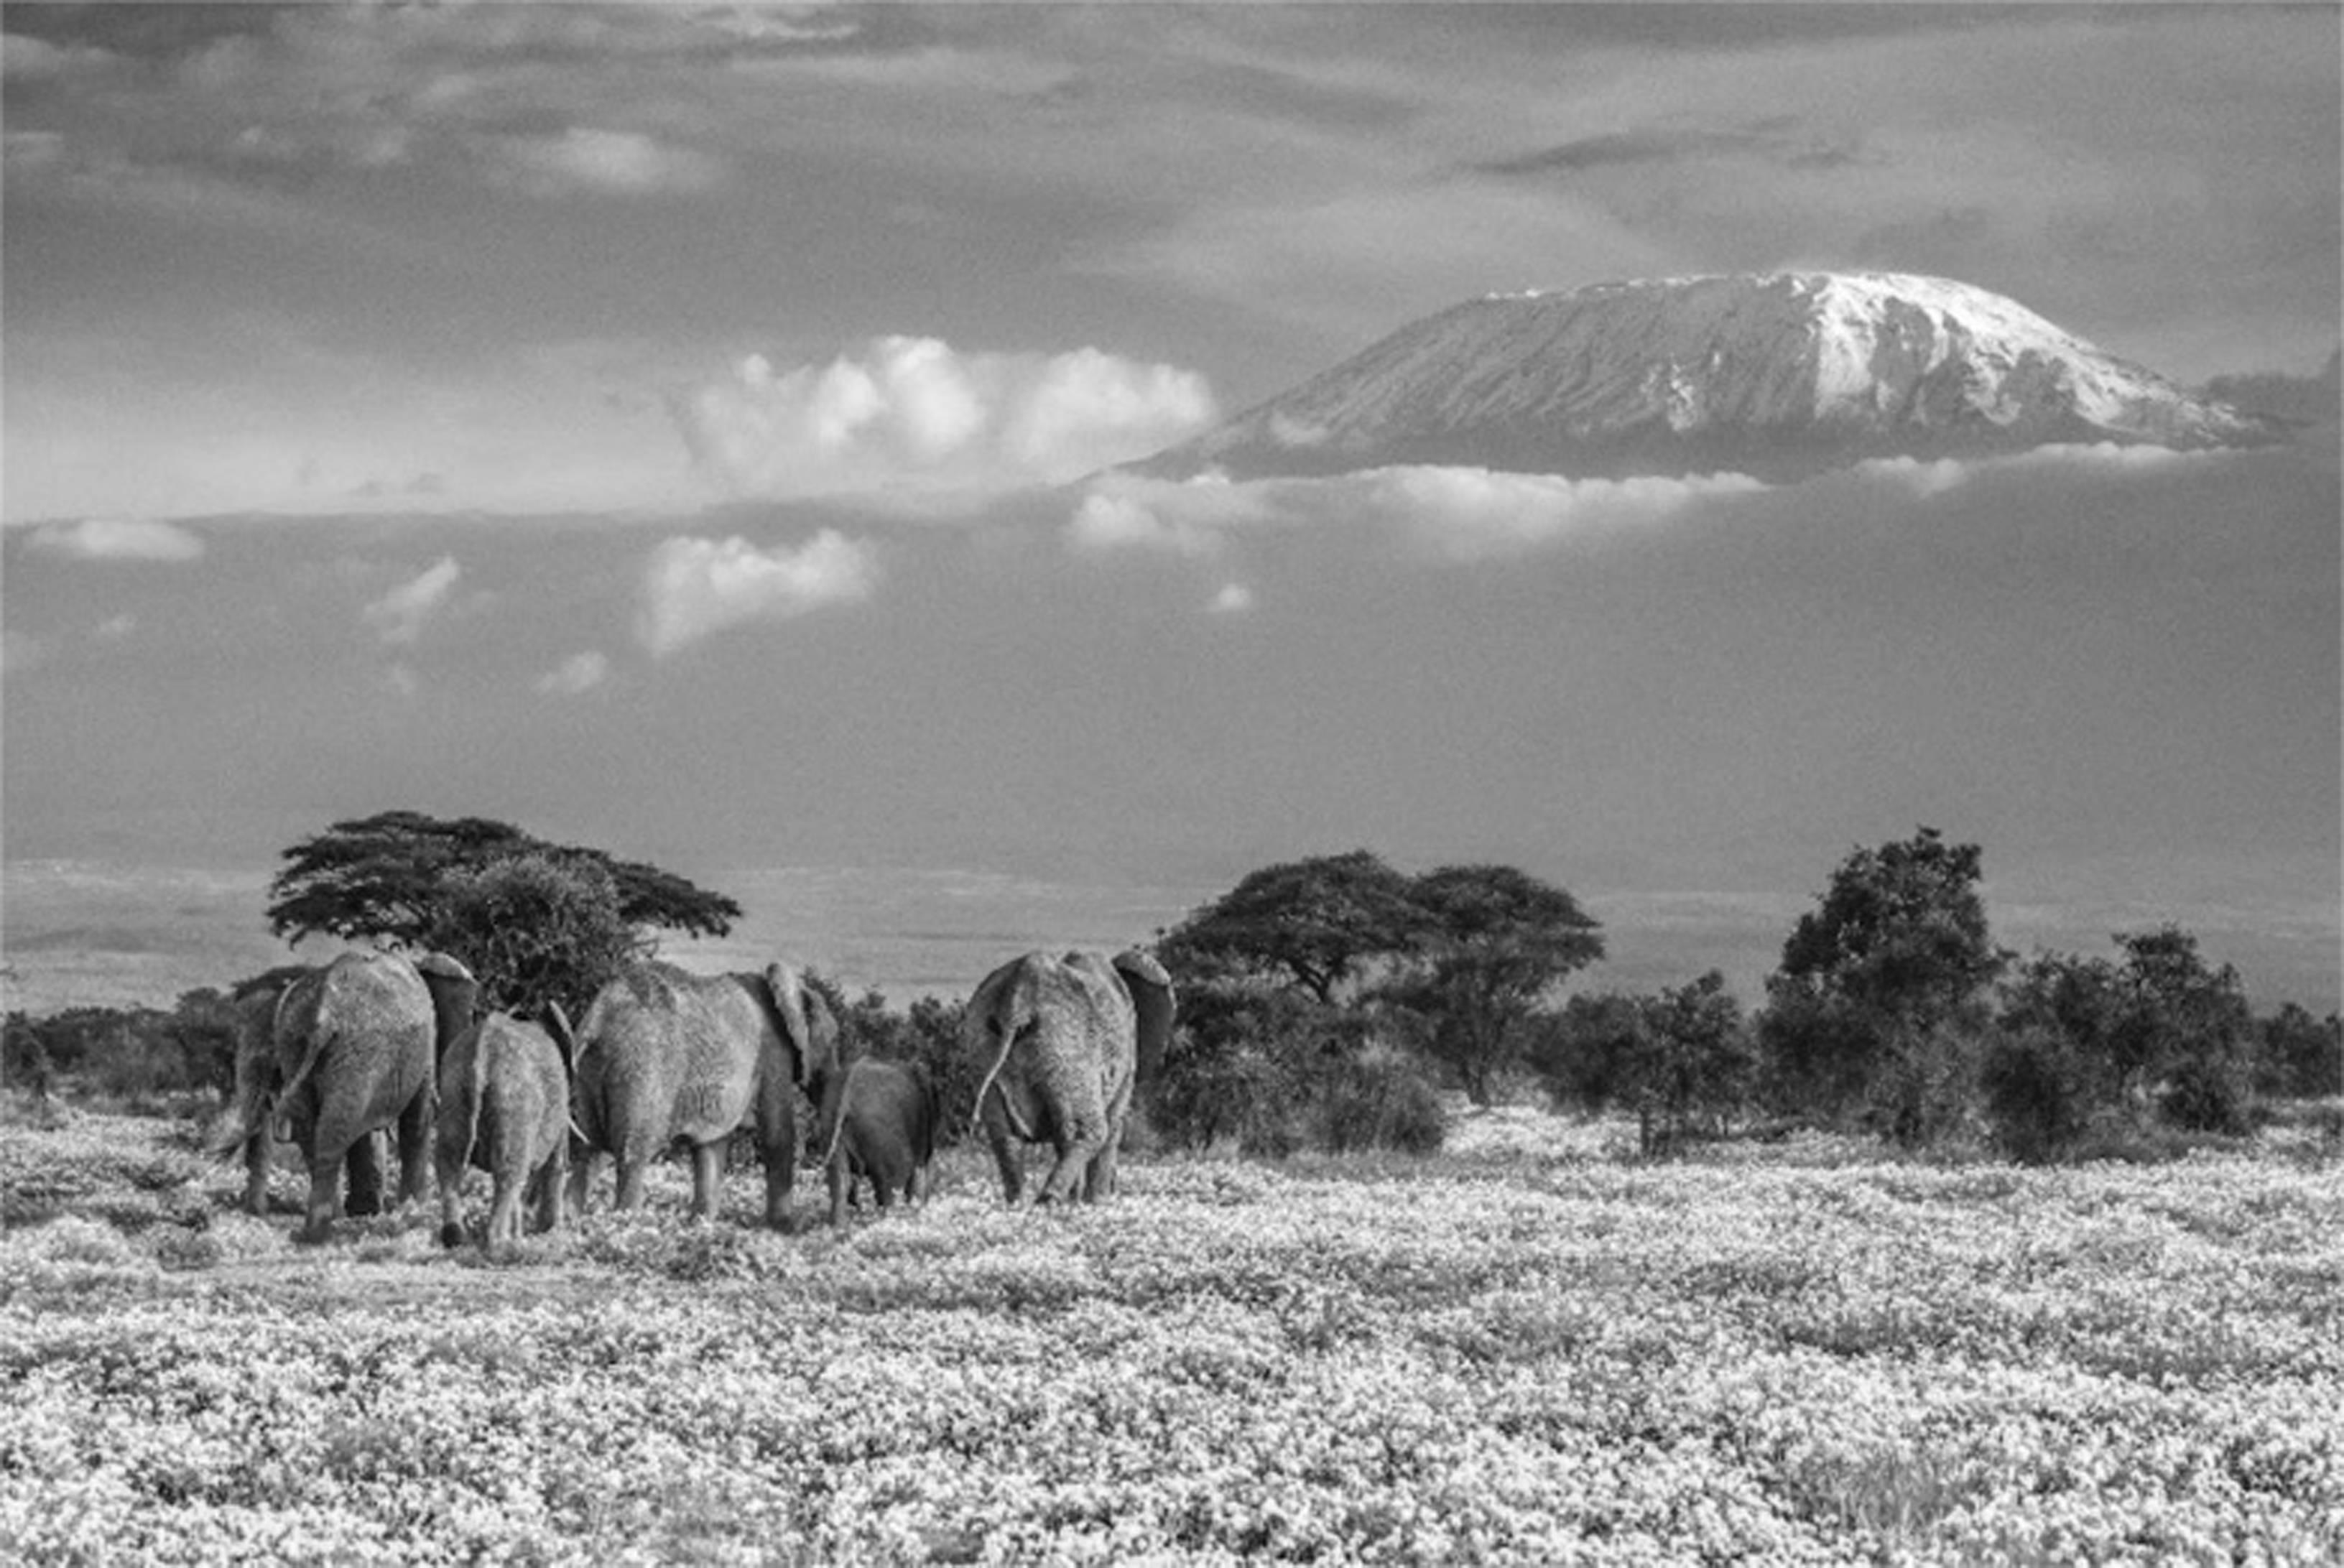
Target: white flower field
1520, 1351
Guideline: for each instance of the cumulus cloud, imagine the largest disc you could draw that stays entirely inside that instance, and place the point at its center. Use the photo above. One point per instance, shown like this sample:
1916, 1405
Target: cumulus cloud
1234, 599
577, 673
693, 587
611, 163
398, 616
118, 539
1452, 513
916, 413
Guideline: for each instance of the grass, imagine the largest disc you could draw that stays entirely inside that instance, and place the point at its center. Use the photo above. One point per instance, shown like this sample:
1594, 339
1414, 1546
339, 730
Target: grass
1525, 1350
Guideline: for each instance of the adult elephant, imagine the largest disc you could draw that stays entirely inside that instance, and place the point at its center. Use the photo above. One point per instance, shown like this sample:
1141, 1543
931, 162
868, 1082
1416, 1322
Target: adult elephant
1066, 1040
665, 1056
356, 1044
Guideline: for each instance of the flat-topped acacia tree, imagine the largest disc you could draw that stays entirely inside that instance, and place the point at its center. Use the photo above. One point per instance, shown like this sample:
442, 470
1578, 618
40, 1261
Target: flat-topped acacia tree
534, 921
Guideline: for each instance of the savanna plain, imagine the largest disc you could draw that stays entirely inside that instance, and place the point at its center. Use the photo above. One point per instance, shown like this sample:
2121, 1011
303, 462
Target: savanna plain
1531, 1347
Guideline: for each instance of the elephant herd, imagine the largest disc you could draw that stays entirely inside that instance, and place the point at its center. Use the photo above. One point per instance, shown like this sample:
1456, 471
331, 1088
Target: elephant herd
373, 1042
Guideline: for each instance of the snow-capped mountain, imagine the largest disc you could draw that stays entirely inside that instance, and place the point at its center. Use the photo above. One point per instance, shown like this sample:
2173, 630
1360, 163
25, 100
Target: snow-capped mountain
1775, 375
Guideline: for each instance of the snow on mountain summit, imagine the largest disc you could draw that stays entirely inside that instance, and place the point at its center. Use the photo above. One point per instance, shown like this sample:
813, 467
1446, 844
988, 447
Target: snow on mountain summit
1773, 375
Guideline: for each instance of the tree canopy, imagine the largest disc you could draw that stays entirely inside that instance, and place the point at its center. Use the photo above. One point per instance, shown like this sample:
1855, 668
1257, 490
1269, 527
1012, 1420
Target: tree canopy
387, 878
1901, 932
1460, 956
1318, 924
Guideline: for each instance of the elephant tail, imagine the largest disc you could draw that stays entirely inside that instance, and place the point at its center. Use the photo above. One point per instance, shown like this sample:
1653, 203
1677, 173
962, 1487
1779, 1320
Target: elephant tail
838, 1116
1016, 1122
282, 1121
475, 1093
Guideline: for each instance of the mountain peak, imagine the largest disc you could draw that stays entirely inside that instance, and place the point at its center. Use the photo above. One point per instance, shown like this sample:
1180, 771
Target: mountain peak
1777, 374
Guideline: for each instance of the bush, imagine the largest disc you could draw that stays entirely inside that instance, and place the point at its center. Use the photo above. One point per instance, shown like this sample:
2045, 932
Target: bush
2037, 1095
2207, 1094
1381, 1098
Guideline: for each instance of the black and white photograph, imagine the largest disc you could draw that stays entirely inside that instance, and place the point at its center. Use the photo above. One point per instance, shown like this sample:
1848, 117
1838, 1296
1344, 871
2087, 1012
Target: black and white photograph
1124, 782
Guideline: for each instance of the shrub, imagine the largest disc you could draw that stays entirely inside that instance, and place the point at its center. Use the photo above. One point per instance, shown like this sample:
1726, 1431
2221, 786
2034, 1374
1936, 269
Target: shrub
2037, 1095
1381, 1098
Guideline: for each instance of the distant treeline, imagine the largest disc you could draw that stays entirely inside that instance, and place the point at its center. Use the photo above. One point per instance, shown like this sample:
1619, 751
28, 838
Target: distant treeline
1328, 1002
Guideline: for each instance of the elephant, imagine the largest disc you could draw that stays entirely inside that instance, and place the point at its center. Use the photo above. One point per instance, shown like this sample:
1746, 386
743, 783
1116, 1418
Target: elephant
253, 1007
1066, 1039
877, 1120
331, 1055
504, 1107
664, 1054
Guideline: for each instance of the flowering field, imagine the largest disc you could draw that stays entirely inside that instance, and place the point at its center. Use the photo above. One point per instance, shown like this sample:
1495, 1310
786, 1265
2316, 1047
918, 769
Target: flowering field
1514, 1353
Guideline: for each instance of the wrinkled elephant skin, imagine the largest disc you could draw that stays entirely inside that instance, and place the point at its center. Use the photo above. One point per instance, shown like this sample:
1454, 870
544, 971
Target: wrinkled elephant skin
877, 1120
1064, 1041
665, 1056
504, 1107
357, 1043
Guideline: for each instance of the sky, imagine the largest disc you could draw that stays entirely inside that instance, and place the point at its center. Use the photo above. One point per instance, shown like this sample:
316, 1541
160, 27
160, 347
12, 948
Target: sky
677, 429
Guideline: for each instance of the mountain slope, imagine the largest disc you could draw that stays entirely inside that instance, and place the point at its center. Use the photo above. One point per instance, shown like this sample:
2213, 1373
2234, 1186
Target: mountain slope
1776, 376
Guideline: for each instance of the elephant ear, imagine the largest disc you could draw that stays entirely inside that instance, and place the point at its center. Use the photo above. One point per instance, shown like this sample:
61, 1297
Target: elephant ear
806, 1019
1151, 997
453, 994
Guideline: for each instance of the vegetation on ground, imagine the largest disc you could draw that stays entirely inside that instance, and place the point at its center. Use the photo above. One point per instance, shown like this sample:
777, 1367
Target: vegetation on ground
1532, 1348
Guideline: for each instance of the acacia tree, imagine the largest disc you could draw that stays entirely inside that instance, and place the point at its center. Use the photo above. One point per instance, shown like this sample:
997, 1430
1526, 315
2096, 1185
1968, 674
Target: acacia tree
534, 921
1493, 943
386, 878
1871, 1004
1318, 924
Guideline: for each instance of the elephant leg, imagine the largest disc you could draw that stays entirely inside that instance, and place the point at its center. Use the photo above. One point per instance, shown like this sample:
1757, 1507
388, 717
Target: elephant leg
631, 1170
257, 1158
581, 1177
1005, 1160
708, 1178
842, 1182
451, 1204
365, 1163
551, 1179
414, 1131
325, 1191
1099, 1181
777, 1145
504, 1210
1076, 1153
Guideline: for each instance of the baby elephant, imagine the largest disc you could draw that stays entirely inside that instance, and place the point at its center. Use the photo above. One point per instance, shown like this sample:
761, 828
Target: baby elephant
878, 1119
504, 1107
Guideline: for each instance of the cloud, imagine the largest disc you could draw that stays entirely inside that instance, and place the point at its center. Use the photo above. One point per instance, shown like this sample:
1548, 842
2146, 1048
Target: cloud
1111, 522
1451, 513
600, 162
118, 539
401, 681
1234, 599
115, 628
398, 615
579, 672
693, 587
1926, 477
913, 412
